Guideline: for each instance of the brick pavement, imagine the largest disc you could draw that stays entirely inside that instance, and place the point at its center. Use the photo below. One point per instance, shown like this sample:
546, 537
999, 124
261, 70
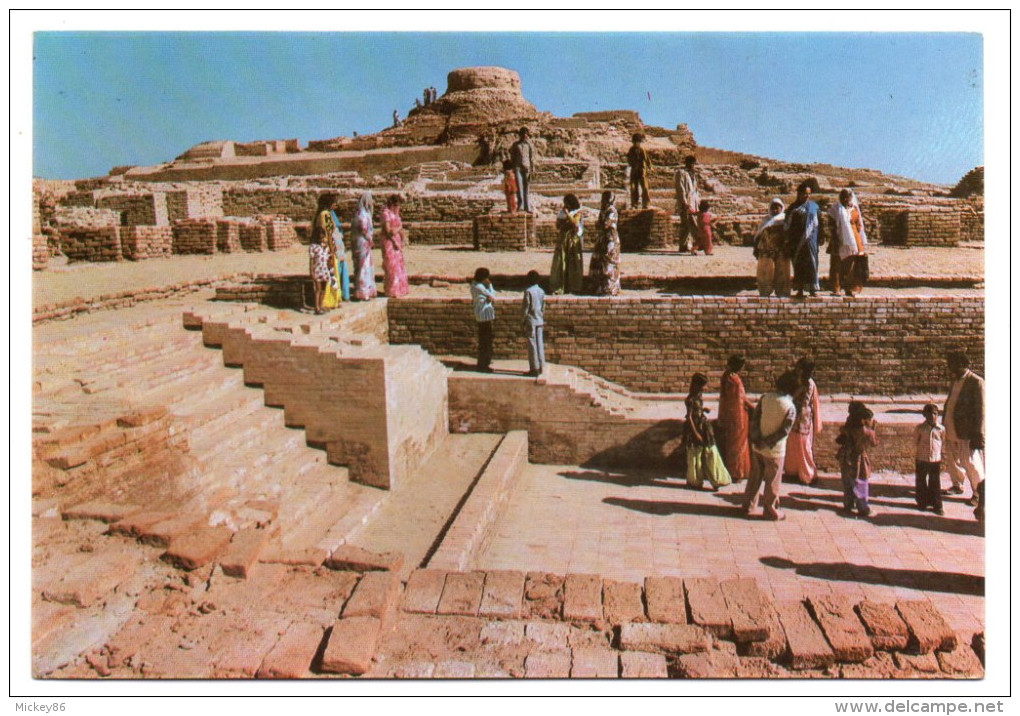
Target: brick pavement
627, 525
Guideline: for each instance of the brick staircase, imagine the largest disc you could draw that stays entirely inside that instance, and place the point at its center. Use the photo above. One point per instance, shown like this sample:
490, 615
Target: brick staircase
144, 414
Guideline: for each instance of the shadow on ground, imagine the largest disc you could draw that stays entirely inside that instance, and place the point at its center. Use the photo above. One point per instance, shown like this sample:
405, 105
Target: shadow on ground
653, 507
924, 580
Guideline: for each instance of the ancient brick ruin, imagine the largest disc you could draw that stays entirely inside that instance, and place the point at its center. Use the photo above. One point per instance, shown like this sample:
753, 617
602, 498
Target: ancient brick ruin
226, 486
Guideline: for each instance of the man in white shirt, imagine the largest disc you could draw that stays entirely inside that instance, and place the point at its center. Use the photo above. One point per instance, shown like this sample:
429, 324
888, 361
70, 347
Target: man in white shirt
534, 324
771, 423
928, 439
482, 298
687, 201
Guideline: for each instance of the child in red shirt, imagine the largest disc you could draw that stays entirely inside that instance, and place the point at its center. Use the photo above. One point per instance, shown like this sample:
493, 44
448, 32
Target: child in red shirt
509, 186
704, 219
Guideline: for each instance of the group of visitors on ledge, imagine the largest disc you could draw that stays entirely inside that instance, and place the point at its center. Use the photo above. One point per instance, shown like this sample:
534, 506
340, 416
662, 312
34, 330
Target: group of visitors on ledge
789, 237
774, 439
785, 244
328, 255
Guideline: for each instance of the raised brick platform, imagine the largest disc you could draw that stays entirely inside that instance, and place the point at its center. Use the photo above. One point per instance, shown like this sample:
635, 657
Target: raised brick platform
643, 229
504, 232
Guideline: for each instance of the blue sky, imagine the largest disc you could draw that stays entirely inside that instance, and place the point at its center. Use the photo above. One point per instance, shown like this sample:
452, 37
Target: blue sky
908, 104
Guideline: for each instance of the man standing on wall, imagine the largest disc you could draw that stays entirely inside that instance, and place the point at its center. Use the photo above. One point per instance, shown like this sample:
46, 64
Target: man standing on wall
522, 157
687, 201
965, 426
640, 168
802, 240
771, 423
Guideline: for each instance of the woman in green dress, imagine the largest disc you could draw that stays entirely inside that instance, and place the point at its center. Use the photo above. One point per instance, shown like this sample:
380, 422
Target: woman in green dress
567, 273
704, 463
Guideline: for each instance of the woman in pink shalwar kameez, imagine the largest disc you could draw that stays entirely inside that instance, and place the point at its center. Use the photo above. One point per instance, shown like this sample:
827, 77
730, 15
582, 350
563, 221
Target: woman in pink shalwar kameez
800, 456
394, 273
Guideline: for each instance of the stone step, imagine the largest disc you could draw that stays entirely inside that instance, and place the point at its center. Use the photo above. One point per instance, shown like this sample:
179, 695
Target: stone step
102, 369
235, 429
249, 444
363, 505
146, 377
315, 512
210, 416
199, 399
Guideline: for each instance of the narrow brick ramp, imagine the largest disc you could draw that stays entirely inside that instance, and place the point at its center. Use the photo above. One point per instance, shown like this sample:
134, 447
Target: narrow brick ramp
415, 514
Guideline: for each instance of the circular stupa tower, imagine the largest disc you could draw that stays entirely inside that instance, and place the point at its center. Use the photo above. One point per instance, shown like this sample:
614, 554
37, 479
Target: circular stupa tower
477, 95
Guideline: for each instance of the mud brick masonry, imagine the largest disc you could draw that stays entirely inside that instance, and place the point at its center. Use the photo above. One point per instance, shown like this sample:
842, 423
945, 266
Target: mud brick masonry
504, 232
654, 344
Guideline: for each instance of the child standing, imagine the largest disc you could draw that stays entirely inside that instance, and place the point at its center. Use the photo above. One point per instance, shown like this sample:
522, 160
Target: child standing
704, 463
704, 222
509, 186
929, 438
482, 302
855, 437
534, 324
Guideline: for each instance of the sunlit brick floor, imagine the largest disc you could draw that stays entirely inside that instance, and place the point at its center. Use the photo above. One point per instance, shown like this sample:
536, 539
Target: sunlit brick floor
628, 525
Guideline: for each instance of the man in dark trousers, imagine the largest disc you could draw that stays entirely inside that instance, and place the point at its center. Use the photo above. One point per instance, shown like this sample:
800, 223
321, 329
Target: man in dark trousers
522, 156
640, 168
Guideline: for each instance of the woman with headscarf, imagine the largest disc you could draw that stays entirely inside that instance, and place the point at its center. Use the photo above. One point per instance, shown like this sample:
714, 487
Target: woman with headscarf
770, 250
849, 245
394, 274
800, 455
704, 463
802, 240
340, 274
604, 269
567, 272
322, 255
361, 249
733, 426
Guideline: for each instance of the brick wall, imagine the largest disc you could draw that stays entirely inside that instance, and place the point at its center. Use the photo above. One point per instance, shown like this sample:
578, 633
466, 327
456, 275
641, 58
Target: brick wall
921, 226
642, 229
933, 226
446, 207
228, 236
146, 242
100, 243
78, 198
253, 236
654, 344
504, 232
553, 172
297, 204
972, 223
439, 233
280, 233
146, 209
565, 428
40, 252
194, 236
83, 217
734, 230
546, 234
195, 202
